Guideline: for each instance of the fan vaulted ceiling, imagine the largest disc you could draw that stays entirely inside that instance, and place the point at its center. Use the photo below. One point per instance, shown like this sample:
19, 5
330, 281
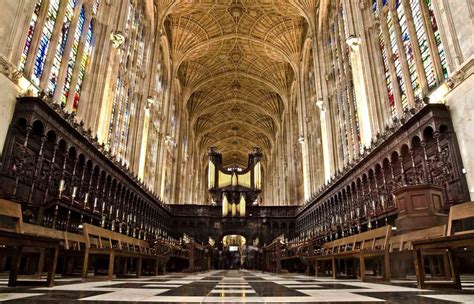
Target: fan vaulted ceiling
236, 61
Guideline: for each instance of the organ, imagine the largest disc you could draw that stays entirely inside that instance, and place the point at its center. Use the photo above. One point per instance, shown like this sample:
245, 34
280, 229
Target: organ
234, 187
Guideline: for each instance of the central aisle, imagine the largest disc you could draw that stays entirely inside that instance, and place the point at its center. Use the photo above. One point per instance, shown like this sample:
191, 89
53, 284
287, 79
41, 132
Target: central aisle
232, 286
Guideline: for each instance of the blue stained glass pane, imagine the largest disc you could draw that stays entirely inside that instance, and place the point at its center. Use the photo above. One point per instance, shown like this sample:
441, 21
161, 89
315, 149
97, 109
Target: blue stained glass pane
374, 5
63, 37
44, 41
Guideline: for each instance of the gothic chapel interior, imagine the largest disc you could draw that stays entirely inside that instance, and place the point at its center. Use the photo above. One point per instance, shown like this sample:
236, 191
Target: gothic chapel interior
236, 151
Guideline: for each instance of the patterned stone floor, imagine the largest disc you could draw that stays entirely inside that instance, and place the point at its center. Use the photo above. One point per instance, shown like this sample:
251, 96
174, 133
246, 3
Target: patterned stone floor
233, 287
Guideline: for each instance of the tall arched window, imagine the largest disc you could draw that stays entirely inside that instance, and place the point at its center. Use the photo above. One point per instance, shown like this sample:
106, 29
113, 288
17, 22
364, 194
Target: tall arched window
346, 105
72, 56
44, 41
124, 105
83, 64
63, 37
29, 35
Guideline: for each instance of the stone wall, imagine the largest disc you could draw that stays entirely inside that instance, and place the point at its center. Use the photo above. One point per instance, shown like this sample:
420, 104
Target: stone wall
460, 101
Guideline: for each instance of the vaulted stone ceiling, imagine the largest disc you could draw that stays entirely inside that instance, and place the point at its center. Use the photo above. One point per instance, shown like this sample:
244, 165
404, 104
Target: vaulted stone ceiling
236, 60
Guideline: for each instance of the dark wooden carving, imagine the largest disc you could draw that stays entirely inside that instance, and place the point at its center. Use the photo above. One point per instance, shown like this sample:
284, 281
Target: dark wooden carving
63, 177
421, 150
420, 207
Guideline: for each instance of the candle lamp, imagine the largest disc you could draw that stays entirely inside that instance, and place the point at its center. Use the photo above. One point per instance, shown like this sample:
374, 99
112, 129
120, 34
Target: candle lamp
61, 187
86, 199
74, 192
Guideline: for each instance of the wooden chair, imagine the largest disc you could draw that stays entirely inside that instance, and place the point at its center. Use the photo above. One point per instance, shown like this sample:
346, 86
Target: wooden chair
452, 241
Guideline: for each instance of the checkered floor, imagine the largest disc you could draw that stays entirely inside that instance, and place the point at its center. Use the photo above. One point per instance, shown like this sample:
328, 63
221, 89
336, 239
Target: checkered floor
232, 287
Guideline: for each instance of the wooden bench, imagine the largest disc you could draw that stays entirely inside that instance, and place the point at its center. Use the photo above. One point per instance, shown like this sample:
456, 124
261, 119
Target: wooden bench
72, 245
177, 256
12, 235
294, 256
118, 248
326, 252
453, 240
359, 247
401, 250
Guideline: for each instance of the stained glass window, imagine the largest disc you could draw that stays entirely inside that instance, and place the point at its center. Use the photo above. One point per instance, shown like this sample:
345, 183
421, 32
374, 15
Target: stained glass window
396, 59
340, 64
423, 43
95, 7
125, 99
434, 27
83, 64
73, 55
409, 54
423, 32
29, 35
388, 80
44, 41
63, 35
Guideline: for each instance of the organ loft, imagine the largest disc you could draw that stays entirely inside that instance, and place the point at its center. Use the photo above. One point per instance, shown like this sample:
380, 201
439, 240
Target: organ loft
236, 151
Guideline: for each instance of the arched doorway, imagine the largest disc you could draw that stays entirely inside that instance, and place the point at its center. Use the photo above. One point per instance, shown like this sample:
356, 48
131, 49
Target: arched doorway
232, 252
237, 251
